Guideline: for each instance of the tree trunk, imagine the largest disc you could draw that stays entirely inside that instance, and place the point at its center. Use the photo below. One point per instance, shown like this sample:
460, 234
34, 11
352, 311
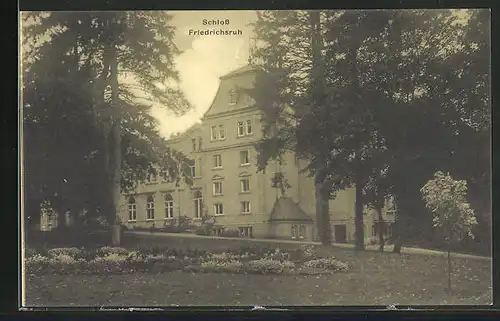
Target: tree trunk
317, 77
358, 216
396, 230
116, 138
381, 227
322, 214
449, 269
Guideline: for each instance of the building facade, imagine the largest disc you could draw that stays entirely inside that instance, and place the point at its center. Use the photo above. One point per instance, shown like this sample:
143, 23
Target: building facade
227, 185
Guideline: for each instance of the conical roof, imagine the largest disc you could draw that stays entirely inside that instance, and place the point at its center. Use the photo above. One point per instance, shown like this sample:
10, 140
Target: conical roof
285, 209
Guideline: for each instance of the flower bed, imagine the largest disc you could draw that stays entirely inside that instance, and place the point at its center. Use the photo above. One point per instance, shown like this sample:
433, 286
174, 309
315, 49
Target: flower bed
109, 260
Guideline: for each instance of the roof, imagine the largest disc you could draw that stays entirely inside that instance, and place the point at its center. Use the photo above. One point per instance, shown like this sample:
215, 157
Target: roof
238, 71
192, 128
224, 81
285, 209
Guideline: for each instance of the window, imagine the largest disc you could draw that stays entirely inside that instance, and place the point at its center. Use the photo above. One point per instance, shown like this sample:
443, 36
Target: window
200, 143
244, 128
233, 97
169, 206
298, 231
150, 208
241, 128
218, 132
302, 231
151, 177
193, 141
198, 204
386, 230
246, 231
244, 157
218, 231
217, 161
217, 188
218, 209
214, 133
249, 127
132, 209
167, 175
245, 207
245, 185
222, 133
193, 170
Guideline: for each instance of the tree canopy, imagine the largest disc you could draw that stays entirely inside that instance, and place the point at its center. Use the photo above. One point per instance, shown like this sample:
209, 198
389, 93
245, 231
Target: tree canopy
70, 104
400, 94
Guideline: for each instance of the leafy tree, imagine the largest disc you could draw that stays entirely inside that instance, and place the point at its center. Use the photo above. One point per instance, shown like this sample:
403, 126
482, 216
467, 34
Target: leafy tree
400, 111
279, 181
91, 54
453, 215
289, 53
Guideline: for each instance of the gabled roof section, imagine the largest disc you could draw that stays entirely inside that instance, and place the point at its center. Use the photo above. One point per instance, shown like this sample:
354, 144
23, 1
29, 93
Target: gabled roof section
240, 80
286, 210
192, 129
238, 71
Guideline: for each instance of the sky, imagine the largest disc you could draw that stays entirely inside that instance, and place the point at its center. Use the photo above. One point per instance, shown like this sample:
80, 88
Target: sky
203, 60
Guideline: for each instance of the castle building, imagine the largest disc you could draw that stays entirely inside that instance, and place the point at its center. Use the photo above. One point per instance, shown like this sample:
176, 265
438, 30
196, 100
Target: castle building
227, 185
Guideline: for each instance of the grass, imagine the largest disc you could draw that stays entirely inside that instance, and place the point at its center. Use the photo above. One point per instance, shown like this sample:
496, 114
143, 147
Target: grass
374, 279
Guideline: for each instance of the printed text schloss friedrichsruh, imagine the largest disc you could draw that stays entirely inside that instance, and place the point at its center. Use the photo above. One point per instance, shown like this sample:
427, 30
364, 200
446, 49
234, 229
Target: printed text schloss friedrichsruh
215, 31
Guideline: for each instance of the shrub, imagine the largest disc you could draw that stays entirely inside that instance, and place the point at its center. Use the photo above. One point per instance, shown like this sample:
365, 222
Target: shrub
70, 251
230, 233
112, 257
184, 223
276, 254
232, 266
308, 251
207, 224
36, 264
330, 264
268, 266
29, 252
203, 230
106, 250
63, 259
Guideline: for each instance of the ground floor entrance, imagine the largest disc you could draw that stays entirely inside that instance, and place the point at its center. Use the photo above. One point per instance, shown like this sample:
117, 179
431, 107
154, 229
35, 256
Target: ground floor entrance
340, 233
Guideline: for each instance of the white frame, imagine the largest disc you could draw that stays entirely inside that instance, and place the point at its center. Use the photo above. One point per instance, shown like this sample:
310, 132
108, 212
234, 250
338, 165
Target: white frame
217, 132
150, 208
302, 231
132, 208
169, 207
294, 231
245, 126
215, 163
242, 190
216, 207
249, 209
248, 157
214, 189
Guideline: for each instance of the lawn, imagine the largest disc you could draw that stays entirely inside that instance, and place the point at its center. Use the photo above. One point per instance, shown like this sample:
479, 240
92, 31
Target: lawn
373, 279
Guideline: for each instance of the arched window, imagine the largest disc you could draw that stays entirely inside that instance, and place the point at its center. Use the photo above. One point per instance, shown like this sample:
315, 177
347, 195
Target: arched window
169, 206
198, 204
151, 177
150, 208
132, 209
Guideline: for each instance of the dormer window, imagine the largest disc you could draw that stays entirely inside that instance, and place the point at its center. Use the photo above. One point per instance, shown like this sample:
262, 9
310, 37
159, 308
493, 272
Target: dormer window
233, 97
